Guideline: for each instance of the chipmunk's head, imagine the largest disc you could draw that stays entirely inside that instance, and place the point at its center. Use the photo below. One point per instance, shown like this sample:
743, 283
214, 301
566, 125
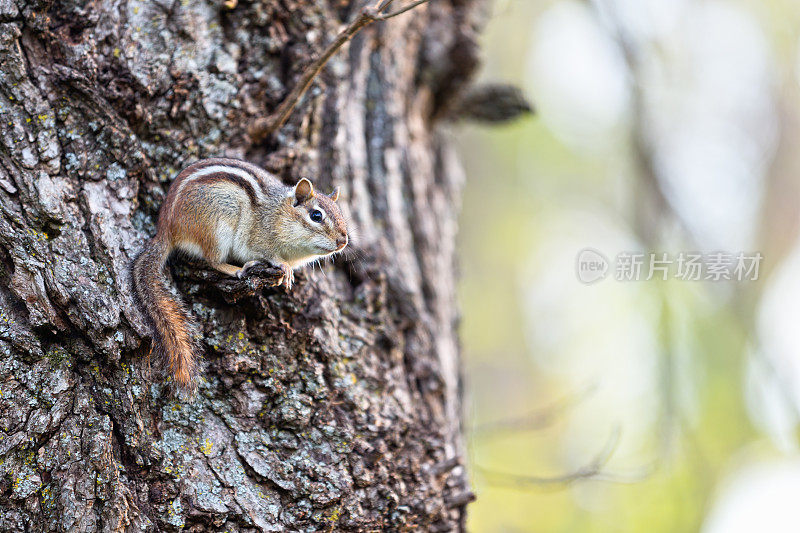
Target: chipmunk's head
318, 227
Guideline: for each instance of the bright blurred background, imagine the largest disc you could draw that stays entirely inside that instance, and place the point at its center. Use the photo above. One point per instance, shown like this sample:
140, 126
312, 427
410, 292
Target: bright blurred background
662, 125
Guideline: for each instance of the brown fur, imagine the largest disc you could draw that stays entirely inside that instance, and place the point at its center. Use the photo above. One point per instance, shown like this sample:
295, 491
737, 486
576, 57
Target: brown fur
169, 319
224, 216
338, 226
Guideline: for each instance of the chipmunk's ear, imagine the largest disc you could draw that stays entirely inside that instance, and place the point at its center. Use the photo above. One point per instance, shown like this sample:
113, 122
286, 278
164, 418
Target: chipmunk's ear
335, 194
303, 191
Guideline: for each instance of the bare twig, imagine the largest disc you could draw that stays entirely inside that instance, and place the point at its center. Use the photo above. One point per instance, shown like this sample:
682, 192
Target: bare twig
460, 500
402, 10
444, 467
266, 126
535, 419
592, 470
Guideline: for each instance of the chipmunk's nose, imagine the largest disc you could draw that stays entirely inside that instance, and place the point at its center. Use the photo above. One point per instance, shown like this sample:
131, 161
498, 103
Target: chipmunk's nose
341, 242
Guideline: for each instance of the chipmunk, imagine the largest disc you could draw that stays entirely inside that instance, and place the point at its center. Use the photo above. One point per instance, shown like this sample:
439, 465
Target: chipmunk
228, 210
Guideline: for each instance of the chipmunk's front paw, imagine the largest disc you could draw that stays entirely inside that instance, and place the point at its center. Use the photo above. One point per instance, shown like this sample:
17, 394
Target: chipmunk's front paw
242, 272
288, 276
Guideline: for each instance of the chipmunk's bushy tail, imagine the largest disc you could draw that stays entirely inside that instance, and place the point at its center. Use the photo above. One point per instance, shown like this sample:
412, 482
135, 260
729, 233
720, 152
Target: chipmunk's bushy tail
169, 319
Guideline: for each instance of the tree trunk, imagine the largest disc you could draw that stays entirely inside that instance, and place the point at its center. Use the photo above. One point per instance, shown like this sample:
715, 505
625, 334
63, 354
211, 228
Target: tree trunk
335, 406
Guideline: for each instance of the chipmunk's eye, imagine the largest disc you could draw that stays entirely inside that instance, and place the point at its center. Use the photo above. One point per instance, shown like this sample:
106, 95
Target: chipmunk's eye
316, 216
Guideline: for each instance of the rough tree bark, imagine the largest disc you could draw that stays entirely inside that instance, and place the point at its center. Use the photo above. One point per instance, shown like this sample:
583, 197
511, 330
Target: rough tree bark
333, 407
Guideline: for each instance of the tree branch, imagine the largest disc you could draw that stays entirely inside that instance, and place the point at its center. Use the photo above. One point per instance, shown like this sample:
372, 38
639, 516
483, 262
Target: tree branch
535, 419
232, 289
263, 127
592, 470
400, 11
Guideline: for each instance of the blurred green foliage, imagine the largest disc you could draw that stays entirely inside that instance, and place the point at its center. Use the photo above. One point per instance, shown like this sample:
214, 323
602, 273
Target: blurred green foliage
526, 186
